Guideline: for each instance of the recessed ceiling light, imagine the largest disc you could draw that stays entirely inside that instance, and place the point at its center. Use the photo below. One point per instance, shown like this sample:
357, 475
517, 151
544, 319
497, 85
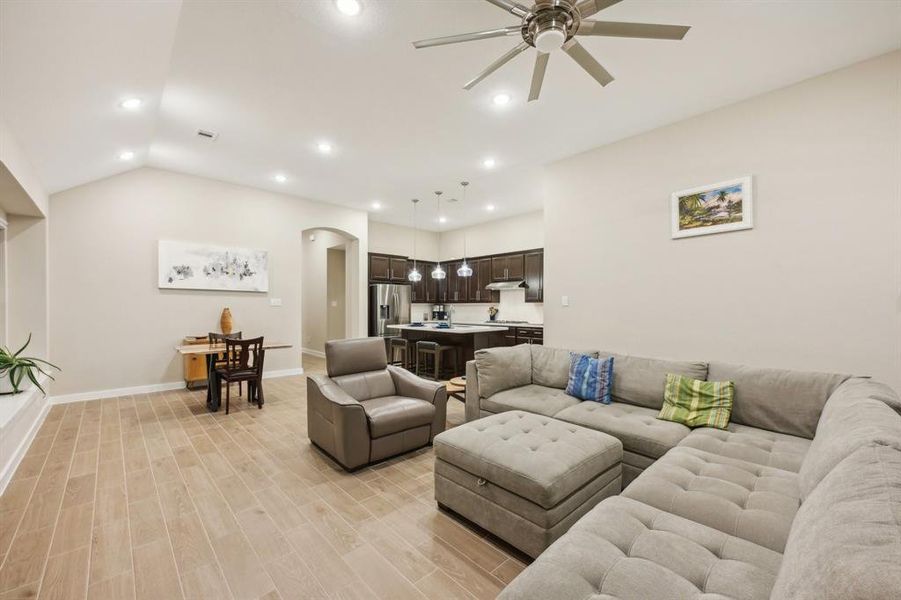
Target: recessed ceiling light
280, 177
442, 219
488, 163
127, 155
489, 207
131, 103
376, 205
351, 8
501, 99
324, 148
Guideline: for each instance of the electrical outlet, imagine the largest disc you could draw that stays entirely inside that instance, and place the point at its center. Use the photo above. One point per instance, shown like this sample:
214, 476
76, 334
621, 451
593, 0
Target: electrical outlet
275, 301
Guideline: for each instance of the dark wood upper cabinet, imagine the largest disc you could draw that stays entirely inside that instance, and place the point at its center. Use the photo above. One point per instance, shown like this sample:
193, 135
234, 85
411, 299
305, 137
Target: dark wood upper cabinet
385, 268
398, 269
533, 270
379, 268
507, 267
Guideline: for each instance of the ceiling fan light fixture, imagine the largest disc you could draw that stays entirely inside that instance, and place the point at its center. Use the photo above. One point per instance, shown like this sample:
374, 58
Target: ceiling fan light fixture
550, 39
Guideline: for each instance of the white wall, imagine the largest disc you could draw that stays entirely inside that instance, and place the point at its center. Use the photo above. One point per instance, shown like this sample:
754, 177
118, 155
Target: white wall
815, 285
111, 327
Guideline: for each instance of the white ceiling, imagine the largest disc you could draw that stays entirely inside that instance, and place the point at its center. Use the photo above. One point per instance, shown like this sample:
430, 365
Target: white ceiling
275, 78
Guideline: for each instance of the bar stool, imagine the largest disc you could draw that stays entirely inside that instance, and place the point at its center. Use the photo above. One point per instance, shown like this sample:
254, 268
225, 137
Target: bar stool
425, 349
401, 346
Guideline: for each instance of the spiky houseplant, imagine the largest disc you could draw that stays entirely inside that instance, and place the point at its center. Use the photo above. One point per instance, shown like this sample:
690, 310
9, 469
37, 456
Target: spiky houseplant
17, 367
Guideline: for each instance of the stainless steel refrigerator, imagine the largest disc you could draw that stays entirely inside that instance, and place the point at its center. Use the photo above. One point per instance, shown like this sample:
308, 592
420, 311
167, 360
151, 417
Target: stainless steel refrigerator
389, 304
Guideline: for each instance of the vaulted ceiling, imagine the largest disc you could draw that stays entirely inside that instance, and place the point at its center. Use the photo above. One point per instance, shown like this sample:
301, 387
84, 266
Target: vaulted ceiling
274, 79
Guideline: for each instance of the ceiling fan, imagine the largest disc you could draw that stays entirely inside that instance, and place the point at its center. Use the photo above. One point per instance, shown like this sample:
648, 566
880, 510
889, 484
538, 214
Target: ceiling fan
554, 24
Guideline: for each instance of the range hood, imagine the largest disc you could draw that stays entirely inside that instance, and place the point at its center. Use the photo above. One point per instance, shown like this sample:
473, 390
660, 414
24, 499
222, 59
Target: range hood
506, 285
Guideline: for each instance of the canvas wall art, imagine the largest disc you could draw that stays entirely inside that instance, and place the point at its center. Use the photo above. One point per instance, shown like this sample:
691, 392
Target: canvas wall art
187, 266
714, 208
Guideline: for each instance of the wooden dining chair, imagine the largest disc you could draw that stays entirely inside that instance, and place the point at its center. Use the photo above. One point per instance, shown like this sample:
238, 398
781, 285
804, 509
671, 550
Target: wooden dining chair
243, 362
219, 358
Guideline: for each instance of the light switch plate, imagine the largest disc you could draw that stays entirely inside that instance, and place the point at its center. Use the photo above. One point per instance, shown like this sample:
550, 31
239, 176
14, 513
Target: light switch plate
275, 301
564, 300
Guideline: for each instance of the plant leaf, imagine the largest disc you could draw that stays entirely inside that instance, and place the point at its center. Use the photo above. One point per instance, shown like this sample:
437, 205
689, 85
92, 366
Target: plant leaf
28, 341
35, 382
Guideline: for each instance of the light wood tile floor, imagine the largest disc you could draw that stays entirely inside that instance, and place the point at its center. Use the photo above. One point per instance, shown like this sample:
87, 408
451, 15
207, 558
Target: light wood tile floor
152, 497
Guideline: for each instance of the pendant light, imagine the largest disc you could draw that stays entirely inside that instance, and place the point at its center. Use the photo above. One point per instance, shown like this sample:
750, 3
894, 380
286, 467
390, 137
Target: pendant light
438, 272
414, 276
465, 270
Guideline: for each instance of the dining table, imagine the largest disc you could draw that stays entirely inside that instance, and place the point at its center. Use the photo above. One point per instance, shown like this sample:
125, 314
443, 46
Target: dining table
210, 351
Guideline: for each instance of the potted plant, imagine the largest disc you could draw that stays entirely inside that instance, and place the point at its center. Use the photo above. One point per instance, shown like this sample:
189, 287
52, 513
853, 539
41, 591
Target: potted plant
16, 368
492, 313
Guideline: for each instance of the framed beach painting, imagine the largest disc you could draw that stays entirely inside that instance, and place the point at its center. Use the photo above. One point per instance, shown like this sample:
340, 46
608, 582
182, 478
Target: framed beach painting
187, 266
714, 208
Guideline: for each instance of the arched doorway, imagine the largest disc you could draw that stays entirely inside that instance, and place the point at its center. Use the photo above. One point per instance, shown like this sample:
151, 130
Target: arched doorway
330, 288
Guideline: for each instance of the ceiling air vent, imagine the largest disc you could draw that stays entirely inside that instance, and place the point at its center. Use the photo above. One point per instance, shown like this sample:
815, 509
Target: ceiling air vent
206, 133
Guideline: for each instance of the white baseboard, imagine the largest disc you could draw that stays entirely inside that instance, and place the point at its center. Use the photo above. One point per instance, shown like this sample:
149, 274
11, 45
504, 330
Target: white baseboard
116, 392
148, 389
9, 469
312, 352
282, 373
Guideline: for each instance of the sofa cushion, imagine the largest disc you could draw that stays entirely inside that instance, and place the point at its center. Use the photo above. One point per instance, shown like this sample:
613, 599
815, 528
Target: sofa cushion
637, 427
390, 414
626, 550
503, 368
740, 498
536, 457
530, 398
550, 366
697, 403
843, 428
846, 540
590, 378
778, 400
641, 381
751, 444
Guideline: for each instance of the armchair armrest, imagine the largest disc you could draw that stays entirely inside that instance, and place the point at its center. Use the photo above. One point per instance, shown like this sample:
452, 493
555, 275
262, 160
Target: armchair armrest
412, 386
473, 401
336, 422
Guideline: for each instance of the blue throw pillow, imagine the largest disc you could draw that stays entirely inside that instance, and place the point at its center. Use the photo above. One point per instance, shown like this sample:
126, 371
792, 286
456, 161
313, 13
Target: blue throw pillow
590, 378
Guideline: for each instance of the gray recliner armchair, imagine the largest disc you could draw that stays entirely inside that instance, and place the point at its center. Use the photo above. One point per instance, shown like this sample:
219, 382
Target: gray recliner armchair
366, 410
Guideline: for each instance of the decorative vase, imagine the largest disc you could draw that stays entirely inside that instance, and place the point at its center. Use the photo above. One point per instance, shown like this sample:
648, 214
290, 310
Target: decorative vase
225, 321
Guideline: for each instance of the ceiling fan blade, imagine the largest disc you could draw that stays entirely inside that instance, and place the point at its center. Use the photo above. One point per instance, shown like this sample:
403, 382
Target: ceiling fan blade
538, 75
470, 37
579, 54
512, 7
633, 30
587, 8
496, 65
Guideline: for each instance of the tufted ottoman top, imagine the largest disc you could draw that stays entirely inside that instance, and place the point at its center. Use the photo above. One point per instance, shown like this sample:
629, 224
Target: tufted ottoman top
533, 456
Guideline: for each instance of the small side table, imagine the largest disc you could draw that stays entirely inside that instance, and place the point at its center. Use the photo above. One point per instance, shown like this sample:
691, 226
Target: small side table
456, 388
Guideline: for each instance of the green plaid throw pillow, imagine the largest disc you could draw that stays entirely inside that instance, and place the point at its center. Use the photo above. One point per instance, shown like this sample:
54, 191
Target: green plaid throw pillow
697, 403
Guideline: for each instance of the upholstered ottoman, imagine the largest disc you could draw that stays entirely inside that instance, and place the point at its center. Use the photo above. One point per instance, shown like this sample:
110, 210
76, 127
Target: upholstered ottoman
524, 477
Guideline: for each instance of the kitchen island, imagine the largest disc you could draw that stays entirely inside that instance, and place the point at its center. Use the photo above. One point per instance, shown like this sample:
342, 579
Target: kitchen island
468, 338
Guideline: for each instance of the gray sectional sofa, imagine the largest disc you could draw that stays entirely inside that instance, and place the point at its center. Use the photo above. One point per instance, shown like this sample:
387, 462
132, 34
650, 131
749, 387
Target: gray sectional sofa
800, 498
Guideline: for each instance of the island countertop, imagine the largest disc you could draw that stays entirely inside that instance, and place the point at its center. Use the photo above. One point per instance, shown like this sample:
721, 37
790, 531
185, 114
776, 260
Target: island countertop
455, 330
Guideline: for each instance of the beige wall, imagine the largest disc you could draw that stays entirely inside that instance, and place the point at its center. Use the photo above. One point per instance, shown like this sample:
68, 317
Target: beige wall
394, 239
507, 234
315, 274
27, 289
111, 327
815, 285
335, 290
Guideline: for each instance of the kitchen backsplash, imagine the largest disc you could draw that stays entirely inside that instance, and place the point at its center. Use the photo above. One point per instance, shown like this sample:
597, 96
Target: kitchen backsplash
513, 307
